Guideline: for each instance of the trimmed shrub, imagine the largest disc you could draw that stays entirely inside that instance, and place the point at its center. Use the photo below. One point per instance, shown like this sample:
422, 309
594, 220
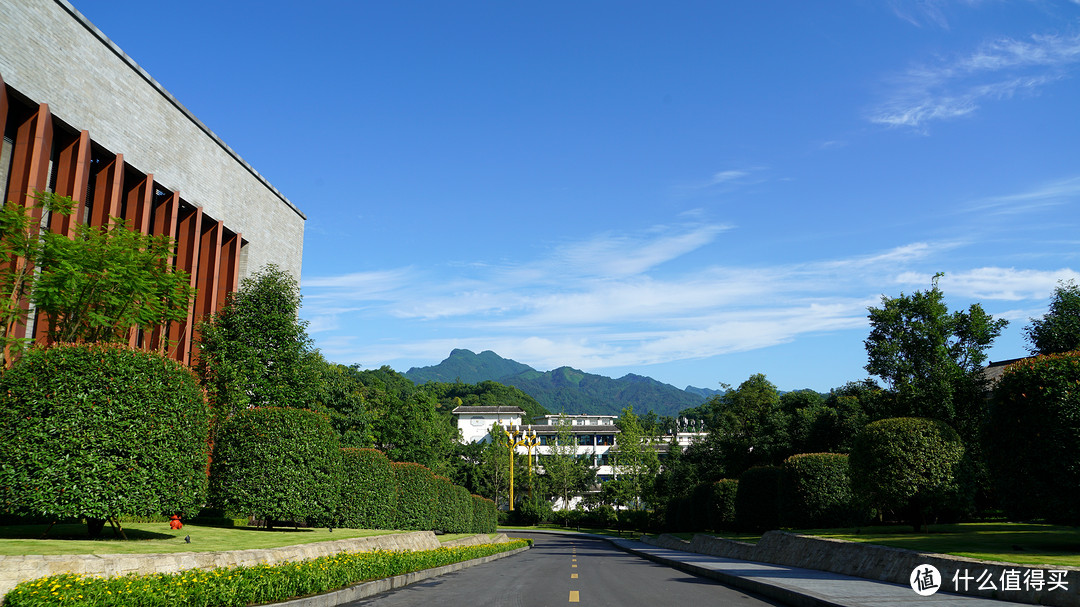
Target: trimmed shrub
485, 517
757, 499
722, 512
817, 491
279, 465
368, 491
1033, 438
444, 519
417, 500
461, 504
99, 431
907, 465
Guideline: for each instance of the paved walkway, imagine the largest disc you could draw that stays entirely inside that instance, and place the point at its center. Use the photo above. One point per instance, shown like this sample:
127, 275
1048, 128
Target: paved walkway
799, 587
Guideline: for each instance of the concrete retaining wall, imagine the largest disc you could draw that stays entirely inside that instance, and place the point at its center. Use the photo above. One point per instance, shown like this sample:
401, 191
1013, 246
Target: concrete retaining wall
19, 568
888, 564
480, 538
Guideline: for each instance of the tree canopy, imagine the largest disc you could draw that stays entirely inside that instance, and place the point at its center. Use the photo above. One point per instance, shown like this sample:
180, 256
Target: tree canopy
1059, 329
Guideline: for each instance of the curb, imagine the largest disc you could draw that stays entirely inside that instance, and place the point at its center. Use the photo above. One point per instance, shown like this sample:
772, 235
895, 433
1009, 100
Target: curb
367, 589
779, 593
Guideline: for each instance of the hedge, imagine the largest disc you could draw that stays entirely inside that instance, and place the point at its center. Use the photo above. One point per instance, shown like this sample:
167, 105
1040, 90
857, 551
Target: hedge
368, 490
417, 500
241, 586
485, 516
907, 465
99, 431
1033, 438
757, 499
722, 505
461, 505
277, 464
817, 491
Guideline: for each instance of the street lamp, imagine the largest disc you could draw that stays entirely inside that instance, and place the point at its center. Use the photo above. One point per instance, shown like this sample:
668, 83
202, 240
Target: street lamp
531, 440
515, 437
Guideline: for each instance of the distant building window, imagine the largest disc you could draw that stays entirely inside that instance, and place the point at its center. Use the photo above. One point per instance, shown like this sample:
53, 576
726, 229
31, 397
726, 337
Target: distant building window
585, 439
605, 440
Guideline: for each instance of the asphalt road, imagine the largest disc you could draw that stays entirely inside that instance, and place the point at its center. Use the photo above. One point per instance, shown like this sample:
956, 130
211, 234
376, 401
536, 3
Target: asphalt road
561, 570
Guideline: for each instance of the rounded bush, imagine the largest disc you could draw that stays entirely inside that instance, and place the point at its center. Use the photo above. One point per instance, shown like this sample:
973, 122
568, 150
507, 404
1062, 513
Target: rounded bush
96, 431
757, 499
817, 491
1033, 438
368, 491
907, 465
722, 506
417, 499
277, 464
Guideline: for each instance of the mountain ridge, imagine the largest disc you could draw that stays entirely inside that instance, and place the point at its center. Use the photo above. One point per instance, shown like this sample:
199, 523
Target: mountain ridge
564, 389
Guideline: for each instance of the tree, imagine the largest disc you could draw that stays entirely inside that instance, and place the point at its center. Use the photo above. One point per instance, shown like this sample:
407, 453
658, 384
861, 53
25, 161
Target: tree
255, 352
97, 431
20, 247
566, 474
930, 358
751, 426
340, 394
636, 460
907, 465
1058, 330
98, 285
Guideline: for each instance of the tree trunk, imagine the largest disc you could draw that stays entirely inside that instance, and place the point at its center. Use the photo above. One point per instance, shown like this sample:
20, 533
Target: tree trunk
94, 527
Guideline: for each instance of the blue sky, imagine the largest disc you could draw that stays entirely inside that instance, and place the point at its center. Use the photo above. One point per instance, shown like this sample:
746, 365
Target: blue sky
694, 191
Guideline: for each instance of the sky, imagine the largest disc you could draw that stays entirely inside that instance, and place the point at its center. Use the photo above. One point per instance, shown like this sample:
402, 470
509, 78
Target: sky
694, 191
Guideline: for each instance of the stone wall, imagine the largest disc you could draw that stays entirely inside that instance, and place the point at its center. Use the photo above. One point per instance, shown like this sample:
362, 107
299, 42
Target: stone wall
883, 563
52, 54
19, 568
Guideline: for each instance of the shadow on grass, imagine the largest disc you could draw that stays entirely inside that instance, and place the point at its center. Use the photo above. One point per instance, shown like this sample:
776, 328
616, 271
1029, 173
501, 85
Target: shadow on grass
74, 531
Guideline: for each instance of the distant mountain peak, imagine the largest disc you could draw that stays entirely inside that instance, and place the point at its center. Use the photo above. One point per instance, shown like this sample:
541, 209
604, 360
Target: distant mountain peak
564, 388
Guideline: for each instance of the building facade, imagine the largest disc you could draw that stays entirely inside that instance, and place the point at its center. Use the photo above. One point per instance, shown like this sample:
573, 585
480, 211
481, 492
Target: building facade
80, 118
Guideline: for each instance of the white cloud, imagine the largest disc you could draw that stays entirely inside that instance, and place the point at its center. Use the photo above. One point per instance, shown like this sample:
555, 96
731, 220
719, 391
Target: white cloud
991, 283
1000, 69
1052, 194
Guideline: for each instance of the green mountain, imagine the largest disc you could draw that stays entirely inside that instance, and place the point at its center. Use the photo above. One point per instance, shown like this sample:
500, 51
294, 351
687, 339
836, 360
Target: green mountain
564, 389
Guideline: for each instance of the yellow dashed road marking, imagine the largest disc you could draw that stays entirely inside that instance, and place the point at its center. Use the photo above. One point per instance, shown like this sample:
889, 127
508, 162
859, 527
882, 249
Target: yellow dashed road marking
573, 576
574, 596
573, 566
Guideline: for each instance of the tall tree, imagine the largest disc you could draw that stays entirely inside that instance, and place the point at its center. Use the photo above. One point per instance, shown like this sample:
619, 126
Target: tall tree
930, 358
256, 351
566, 474
1059, 329
636, 459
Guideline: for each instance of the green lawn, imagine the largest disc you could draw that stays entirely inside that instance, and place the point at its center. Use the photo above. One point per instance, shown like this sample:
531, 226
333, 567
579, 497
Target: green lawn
1027, 544
146, 538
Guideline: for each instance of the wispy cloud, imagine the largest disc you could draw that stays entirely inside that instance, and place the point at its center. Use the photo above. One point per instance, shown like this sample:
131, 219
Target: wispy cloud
620, 299
954, 88
1053, 194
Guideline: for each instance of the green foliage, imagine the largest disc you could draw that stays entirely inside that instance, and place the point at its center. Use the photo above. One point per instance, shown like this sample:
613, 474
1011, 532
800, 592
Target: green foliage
96, 286
21, 246
565, 474
98, 431
1059, 330
484, 393
461, 510
722, 506
532, 512
277, 464
635, 460
1033, 438
485, 517
817, 491
906, 465
255, 352
417, 499
241, 586
932, 359
341, 395
747, 427
368, 490
757, 499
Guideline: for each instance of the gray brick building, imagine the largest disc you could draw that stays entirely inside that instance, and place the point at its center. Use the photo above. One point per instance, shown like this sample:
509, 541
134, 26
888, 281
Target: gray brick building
82, 119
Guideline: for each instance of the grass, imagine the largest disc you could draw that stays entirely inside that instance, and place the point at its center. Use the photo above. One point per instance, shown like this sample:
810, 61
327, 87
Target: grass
1022, 543
145, 538
449, 537
593, 530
